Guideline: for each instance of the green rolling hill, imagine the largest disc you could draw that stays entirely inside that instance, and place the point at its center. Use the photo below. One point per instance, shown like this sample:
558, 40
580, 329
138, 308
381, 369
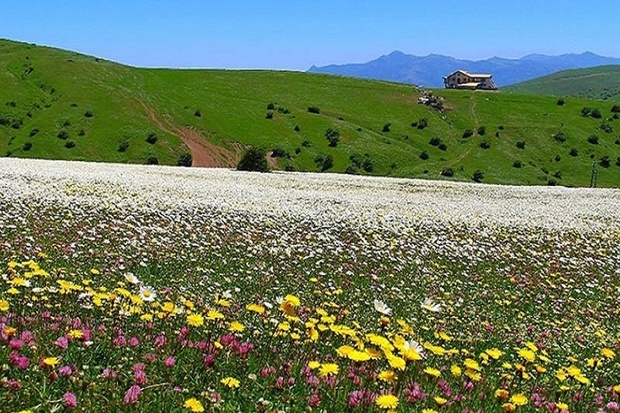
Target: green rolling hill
63, 105
602, 82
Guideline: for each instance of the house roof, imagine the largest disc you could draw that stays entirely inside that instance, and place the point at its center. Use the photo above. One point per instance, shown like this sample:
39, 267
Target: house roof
466, 73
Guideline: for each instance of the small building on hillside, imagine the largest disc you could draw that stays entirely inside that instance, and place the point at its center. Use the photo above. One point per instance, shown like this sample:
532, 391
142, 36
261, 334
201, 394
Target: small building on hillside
461, 79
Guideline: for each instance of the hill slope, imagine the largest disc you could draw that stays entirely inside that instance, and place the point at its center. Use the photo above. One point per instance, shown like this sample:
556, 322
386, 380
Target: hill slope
601, 82
429, 70
52, 97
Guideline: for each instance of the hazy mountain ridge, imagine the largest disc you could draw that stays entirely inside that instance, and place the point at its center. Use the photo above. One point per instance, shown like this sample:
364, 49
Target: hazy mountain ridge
429, 70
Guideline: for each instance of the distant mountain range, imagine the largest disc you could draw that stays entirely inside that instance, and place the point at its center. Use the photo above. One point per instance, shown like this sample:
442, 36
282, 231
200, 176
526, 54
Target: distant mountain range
429, 70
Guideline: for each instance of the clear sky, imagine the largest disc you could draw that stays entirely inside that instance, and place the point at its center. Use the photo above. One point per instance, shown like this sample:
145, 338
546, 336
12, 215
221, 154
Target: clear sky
290, 34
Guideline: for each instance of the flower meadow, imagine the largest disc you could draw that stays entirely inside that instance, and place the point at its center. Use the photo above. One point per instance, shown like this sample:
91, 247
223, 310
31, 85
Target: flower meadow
136, 288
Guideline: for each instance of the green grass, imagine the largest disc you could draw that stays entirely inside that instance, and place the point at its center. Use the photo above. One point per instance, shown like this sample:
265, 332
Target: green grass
601, 82
50, 87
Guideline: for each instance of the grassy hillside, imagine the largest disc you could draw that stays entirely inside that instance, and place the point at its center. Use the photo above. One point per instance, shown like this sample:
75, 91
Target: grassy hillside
100, 105
601, 82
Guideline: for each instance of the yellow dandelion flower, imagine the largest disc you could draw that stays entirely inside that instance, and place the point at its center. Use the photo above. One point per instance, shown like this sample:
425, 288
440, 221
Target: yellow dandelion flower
50, 361
357, 355
215, 315
440, 400
429, 411
560, 375
433, 372
508, 407
168, 307
76, 334
518, 399
456, 370
314, 365
387, 375
494, 353
328, 369
396, 362
472, 364
195, 320
582, 379
223, 302
4, 305
387, 401
230, 382
617, 389
527, 354
255, 308
573, 371
193, 405
313, 334
501, 394
236, 326
608, 353
344, 351
146, 317
284, 326
562, 406
531, 346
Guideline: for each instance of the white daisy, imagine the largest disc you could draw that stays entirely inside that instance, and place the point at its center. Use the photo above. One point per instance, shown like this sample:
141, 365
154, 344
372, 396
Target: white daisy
131, 279
147, 293
382, 308
430, 305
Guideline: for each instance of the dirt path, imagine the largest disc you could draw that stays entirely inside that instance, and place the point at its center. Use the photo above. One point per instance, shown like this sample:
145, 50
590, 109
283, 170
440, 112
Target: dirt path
204, 153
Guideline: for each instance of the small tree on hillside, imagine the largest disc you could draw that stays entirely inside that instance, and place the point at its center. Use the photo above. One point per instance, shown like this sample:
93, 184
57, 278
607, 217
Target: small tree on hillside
333, 136
254, 159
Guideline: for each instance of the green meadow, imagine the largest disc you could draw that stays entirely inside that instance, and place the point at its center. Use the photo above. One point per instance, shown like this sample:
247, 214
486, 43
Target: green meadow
57, 104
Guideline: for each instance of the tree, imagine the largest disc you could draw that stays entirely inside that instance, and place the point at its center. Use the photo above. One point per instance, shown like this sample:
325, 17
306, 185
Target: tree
333, 136
185, 159
324, 162
254, 159
478, 176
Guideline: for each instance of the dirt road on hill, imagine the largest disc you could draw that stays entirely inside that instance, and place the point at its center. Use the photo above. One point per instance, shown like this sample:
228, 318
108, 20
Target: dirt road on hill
204, 153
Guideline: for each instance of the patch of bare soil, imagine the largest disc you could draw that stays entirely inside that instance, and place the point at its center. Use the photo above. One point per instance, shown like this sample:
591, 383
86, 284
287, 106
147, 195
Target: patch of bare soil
204, 153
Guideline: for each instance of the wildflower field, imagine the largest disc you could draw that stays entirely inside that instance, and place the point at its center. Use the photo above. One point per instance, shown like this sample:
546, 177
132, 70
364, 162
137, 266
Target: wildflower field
136, 288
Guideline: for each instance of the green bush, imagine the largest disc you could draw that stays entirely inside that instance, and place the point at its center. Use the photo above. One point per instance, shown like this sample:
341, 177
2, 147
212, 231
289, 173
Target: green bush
434, 141
573, 152
560, 102
467, 133
279, 152
152, 160
520, 144
152, 138
422, 123
447, 172
89, 114
593, 139
605, 162
122, 147
69, 144
478, 176
485, 144
482, 130
314, 109
517, 164
386, 127
63, 134
560, 137
185, 159
198, 113
254, 159
424, 155
27, 146
269, 115
615, 109
442, 147
333, 137
324, 162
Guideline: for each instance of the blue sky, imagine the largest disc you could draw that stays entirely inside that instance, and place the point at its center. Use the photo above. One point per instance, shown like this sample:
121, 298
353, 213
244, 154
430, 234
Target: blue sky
297, 34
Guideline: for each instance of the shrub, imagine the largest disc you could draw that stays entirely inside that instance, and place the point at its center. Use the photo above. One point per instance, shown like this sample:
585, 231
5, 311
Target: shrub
593, 139
254, 159
605, 127
552, 182
478, 176
386, 127
596, 113
617, 161
442, 147
422, 123
271, 106
185, 159
424, 155
82, 132
558, 158
33, 132
66, 124
297, 151
283, 110
152, 138
27, 146
367, 165
560, 137
467, 133
63, 134
352, 170
314, 109
89, 114
573, 152
520, 144
122, 147
69, 144
615, 109
414, 124
306, 143
517, 164
269, 115
289, 168
500, 127
152, 160
357, 159
605, 162
333, 137
585, 112
279, 152
482, 130
297, 128
560, 102
324, 162
434, 141
17, 123
198, 113
485, 144
447, 172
